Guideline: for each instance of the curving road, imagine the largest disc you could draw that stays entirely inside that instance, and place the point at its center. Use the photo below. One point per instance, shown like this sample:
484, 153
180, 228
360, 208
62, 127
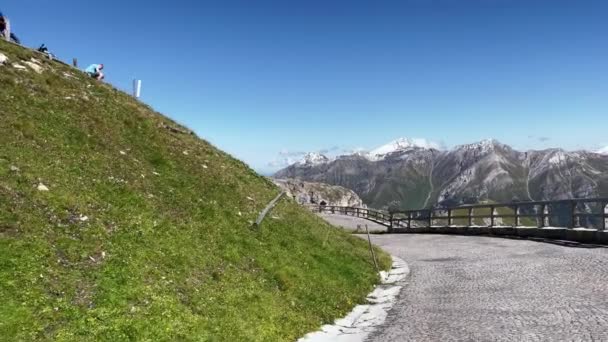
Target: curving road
468, 288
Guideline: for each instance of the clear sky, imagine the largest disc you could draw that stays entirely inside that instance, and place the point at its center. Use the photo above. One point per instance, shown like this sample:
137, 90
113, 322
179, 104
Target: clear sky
257, 78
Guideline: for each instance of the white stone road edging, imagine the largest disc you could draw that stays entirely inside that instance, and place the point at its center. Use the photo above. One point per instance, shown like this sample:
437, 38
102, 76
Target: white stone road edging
364, 319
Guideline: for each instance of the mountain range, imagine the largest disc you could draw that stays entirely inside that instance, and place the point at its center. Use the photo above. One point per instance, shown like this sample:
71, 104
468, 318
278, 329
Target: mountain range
414, 173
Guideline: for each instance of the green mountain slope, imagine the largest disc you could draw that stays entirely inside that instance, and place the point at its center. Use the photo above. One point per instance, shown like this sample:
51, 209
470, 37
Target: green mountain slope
144, 232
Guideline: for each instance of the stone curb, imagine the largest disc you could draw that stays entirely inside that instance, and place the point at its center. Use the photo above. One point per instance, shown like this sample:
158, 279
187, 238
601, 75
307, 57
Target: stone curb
365, 318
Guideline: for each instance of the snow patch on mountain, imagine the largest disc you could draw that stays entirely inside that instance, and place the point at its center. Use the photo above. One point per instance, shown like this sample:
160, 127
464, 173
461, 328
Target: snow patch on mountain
558, 158
603, 150
483, 146
401, 145
313, 159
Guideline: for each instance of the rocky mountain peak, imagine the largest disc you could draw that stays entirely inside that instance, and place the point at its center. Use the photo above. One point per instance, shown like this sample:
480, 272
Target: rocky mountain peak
485, 145
401, 145
314, 158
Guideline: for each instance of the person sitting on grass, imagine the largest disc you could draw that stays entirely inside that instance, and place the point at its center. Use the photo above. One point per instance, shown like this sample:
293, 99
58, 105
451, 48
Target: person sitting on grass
45, 50
94, 70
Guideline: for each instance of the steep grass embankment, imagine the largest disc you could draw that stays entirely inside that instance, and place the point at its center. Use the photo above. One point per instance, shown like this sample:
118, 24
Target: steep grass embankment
144, 232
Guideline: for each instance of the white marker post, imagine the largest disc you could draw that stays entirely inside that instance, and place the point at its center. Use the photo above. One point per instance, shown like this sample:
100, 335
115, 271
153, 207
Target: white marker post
137, 88
7, 29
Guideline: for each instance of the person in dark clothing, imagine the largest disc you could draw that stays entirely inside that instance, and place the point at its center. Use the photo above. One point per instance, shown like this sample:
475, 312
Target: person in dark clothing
14, 39
45, 50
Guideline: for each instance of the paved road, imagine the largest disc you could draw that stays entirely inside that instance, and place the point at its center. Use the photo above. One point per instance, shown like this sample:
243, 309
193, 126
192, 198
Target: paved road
467, 288
352, 223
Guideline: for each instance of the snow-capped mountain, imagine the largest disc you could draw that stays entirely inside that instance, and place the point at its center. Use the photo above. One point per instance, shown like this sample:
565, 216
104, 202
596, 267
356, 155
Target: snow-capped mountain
603, 150
401, 145
395, 147
483, 146
416, 175
313, 158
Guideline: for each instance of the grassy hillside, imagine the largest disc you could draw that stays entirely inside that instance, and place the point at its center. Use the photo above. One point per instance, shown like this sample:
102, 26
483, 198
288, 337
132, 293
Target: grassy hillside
144, 232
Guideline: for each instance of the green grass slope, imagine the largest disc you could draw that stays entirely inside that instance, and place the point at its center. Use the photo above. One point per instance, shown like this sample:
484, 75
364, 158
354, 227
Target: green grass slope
144, 232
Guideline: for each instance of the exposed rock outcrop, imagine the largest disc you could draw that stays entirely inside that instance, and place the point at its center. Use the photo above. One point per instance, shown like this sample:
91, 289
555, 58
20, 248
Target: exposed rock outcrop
319, 193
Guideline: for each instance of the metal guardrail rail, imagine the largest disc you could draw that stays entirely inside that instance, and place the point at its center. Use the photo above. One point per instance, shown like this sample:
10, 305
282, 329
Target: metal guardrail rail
378, 216
267, 209
570, 213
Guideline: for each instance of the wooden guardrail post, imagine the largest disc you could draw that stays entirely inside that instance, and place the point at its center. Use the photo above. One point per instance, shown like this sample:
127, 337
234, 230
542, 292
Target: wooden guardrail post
449, 217
470, 217
604, 216
371, 248
516, 215
572, 207
541, 221
492, 216
431, 217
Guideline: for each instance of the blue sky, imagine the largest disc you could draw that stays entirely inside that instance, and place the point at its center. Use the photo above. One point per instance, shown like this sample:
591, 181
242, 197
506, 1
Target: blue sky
259, 77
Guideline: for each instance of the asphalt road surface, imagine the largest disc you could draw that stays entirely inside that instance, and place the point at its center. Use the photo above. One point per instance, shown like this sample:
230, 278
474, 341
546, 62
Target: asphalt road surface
470, 288
352, 223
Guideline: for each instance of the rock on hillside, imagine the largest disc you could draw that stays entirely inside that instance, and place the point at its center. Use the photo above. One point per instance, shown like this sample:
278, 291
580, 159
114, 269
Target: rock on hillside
319, 193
